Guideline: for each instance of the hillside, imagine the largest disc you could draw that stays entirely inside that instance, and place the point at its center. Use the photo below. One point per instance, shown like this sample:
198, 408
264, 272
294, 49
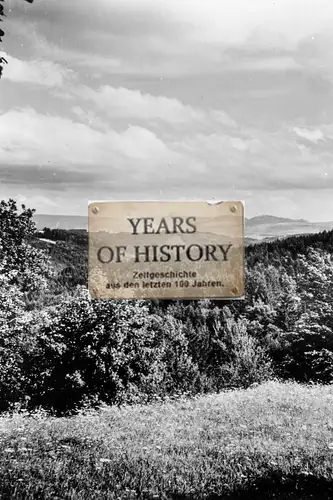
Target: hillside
69, 256
289, 247
71, 246
274, 441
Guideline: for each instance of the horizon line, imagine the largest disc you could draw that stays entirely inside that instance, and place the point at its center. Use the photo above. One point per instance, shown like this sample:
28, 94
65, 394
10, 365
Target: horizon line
246, 218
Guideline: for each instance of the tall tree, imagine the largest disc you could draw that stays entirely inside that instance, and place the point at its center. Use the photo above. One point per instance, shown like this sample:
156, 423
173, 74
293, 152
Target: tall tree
27, 266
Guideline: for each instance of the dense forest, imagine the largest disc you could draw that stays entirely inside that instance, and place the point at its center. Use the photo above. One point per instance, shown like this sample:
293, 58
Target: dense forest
62, 351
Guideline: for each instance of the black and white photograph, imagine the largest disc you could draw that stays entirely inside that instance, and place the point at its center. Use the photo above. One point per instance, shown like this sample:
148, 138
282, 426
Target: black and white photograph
152, 349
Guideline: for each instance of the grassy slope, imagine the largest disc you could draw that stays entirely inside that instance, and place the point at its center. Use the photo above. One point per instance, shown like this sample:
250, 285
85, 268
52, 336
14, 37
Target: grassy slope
240, 444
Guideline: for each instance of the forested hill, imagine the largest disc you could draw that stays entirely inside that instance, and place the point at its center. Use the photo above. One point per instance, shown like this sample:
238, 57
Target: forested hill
288, 247
80, 350
68, 250
77, 240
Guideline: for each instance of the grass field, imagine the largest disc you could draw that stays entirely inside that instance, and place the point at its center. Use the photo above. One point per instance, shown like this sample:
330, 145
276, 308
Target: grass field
272, 441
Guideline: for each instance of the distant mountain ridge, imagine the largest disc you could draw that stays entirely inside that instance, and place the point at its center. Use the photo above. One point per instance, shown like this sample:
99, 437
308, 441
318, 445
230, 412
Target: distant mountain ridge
258, 228
272, 219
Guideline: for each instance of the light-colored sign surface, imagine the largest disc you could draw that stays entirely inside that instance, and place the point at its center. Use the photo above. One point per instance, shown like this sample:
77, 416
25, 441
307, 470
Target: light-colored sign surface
166, 250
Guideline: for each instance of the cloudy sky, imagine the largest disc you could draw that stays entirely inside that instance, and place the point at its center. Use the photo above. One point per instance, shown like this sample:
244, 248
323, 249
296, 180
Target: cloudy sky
169, 99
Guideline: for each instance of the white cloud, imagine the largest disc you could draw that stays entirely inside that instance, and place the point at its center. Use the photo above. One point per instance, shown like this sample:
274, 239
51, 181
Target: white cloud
259, 160
311, 135
38, 72
246, 159
136, 163
134, 156
29, 137
123, 103
89, 118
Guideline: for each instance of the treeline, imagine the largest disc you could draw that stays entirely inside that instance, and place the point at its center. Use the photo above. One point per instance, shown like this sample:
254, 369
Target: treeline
76, 236
63, 350
277, 250
289, 247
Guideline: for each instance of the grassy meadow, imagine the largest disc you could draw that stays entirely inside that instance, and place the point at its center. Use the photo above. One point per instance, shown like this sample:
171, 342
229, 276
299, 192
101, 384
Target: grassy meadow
273, 440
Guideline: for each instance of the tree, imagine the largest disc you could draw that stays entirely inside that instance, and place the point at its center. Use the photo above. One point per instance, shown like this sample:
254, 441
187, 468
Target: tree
249, 362
2, 14
106, 351
15, 340
306, 350
23, 270
31, 266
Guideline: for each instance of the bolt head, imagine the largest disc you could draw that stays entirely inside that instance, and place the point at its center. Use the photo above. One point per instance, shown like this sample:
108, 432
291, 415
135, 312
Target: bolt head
233, 209
95, 210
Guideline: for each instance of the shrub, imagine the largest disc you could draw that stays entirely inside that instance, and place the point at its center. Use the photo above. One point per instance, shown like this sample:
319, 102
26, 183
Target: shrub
249, 362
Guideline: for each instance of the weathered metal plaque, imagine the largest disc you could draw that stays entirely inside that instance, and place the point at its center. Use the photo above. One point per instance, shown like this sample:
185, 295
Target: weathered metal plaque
166, 250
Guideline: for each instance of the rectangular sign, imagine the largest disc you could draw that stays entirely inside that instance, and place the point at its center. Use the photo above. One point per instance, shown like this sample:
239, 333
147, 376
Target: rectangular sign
166, 250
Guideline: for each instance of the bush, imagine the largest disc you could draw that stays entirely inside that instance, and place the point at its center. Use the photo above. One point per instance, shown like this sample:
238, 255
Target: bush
106, 351
249, 363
